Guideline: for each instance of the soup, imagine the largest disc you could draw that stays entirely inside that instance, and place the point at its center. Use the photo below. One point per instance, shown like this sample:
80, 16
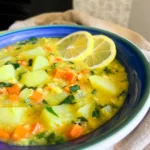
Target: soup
45, 99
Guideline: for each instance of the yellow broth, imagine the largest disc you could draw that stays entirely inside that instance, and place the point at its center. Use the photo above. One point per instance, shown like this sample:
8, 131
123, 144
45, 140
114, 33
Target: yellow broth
41, 102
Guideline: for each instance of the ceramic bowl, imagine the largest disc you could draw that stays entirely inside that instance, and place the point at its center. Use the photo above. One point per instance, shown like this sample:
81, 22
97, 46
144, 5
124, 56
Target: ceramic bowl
136, 104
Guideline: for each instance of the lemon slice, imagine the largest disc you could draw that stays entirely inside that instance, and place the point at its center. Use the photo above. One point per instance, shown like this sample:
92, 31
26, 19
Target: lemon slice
103, 53
76, 46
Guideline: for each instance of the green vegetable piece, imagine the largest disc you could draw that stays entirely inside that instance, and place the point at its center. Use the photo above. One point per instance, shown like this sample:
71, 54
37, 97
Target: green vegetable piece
44, 102
32, 142
33, 88
20, 75
94, 92
59, 140
54, 139
18, 48
5, 84
68, 100
15, 65
74, 88
40, 135
33, 40
107, 70
51, 111
23, 42
51, 138
123, 93
82, 119
70, 62
54, 65
30, 62
95, 113
92, 72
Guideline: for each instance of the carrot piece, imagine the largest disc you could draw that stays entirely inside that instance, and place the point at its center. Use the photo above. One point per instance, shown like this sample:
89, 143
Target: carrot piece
37, 97
35, 128
48, 48
15, 89
59, 73
9, 48
76, 131
4, 134
57, 59
71, 76
13, 97
85, 71
66, 89
47, 88
19, 133
23, 62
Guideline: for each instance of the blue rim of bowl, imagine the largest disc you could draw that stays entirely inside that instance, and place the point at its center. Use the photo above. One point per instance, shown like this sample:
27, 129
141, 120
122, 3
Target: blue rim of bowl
145, 97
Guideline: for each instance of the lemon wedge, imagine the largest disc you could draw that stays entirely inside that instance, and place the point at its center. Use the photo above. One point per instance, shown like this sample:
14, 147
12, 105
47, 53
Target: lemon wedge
76, 46
103, 53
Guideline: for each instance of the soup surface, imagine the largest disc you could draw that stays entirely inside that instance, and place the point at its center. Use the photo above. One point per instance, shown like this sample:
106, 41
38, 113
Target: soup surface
45, 99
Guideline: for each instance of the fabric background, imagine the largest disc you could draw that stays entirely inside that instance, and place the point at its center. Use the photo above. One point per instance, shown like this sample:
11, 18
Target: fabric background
117, 11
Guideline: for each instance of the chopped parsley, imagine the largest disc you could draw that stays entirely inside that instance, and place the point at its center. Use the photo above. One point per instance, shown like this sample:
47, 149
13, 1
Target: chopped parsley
15, 65
34, 88
107, 70
31, 40
68, 100
44, 102
82, 119
49, 109
95, 113
40, 135
123, 93
54, 65
94, 91
5, 84
74, 88
92, 72
30, 62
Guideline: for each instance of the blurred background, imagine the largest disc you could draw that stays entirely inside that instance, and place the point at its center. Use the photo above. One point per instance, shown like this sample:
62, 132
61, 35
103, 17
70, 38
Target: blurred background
133, 14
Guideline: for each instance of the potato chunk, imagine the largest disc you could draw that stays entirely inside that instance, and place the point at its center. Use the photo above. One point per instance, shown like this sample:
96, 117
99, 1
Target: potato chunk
10, 117
64, 112
7, 72
86, 111
40, 62
34, 78
55, 99
103, 84
30, 54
